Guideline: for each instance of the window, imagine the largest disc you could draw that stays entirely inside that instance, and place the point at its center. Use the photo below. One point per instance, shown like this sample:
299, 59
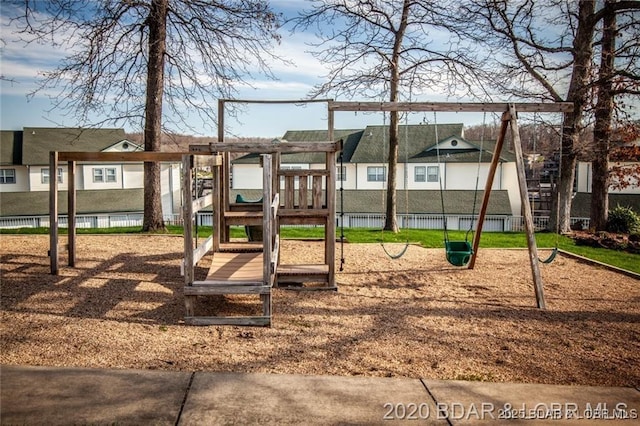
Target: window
104, 175
420, 174
342, 173
44, 175
7, 175
433, 173
111, 175
98, 175
376, 174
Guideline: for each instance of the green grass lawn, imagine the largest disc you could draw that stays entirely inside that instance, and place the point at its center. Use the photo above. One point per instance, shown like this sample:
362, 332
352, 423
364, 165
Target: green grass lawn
426, 238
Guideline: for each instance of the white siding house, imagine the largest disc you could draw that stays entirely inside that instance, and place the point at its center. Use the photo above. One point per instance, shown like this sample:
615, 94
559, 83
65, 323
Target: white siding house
420, 168
584, 178
25, 175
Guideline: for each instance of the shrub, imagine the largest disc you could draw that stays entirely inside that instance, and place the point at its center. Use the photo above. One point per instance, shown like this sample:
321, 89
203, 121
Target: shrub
623, 220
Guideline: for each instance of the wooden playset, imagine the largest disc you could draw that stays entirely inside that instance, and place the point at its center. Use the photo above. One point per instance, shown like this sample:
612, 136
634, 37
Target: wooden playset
290, 197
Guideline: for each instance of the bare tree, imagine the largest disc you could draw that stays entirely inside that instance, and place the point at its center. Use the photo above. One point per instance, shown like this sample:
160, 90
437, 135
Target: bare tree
386, 49
614, 79
543, 49
178, 54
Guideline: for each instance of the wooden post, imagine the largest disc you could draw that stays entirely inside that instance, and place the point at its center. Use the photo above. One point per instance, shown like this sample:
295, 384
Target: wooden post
330, 120
330, 248
225, 170
187, 219
71, 211
53, 213
216, 219
267, 196
487, 189
267, 231
330, 226
528, 218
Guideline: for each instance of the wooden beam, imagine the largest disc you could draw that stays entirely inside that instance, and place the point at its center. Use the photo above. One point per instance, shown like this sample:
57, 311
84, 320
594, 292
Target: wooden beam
487, 189
71, 211
274, 101
304, 172
251, 321
274, 147
200, 203
53, 213
449, 106
528, 217
187, 222
140, 156
202, 250
212, 287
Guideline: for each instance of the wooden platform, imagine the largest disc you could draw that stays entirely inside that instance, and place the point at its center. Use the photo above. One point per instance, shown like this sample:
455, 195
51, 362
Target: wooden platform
298, 273
235, 268
232, 273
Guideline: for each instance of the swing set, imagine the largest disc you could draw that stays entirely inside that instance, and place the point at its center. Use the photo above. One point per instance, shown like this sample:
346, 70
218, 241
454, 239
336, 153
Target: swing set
458, 252
465, 253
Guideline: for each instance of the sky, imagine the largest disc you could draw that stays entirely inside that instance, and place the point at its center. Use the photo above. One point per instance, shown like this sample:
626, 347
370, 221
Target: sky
20, 65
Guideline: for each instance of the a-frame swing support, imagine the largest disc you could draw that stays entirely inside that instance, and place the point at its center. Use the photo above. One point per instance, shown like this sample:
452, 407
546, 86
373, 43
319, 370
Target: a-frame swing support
509, 121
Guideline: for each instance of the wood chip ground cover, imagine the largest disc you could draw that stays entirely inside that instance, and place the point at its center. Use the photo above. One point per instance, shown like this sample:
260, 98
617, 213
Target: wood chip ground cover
122, 307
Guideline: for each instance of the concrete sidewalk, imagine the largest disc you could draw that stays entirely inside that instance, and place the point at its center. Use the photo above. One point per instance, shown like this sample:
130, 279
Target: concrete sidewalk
62, 396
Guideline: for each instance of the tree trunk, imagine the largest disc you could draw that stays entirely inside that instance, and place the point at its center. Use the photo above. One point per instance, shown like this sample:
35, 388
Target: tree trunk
391, 224
562, 223
572, 124
602, 129
157, 21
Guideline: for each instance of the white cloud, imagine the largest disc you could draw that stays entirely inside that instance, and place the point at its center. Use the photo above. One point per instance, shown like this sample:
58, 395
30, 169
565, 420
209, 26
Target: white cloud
296, 50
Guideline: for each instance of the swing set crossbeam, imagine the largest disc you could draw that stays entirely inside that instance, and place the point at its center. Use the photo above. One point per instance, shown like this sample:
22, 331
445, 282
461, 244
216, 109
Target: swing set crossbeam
450, 106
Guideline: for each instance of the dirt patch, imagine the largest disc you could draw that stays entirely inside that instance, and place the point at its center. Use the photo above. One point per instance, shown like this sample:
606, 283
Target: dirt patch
122, 307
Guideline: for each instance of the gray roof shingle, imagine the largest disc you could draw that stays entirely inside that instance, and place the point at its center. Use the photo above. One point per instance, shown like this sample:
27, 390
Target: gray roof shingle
425, 202
350, 138
581, 204
38, 141
414, 139
371, 145
420, 201
10, 147
36, 203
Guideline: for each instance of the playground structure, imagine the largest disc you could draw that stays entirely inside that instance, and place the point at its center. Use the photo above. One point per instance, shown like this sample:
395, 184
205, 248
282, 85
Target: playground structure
307, 197
302, 197
250, 267
235, 268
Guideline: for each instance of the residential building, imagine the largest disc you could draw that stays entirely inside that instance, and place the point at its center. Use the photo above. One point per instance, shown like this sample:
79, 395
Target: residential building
102, 187
458, 164
455, 163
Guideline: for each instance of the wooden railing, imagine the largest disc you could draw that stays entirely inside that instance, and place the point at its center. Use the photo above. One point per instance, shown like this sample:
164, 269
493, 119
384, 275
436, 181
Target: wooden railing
304, 189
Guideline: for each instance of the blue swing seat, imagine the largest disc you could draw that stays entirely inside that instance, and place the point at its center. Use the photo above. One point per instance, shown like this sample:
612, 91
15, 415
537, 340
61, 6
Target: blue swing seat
458, 252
